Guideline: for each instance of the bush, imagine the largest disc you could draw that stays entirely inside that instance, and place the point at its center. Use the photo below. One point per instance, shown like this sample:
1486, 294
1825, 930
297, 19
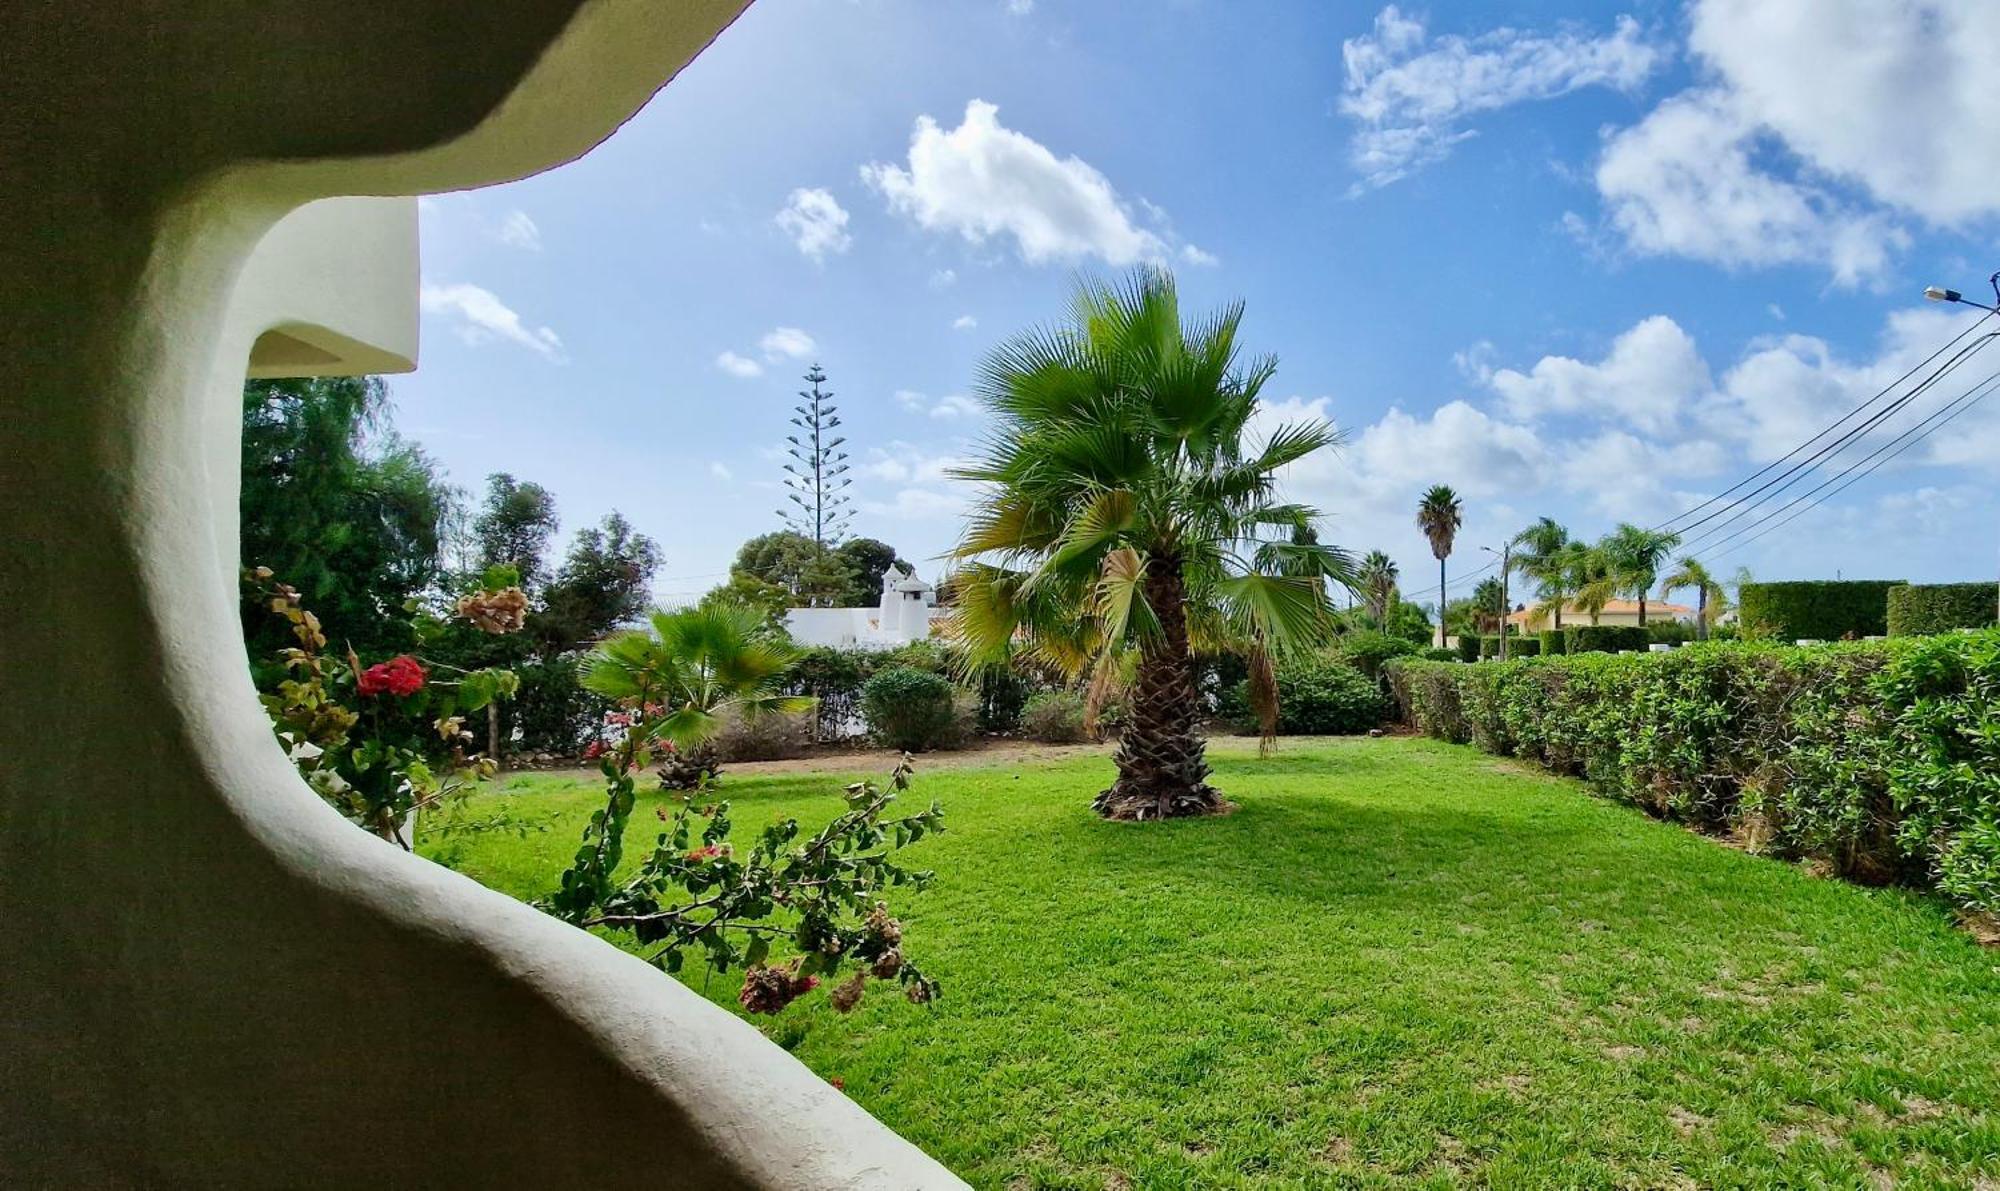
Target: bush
1319, 694
551, 710
913, 709
1053, 717
1524, 647
834, 677
1874, 758
1467, 646
1604, 638
1439, 655
1554, 642
1489, 647
1916, 610
1366, 650
774, 737
1669, 632
1819, 609
1003, 695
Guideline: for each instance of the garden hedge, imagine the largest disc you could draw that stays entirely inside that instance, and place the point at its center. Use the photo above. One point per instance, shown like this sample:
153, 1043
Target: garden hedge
1919, 609
1874, 758
1319, 694
1554, 641
1604, 638
1467, 645
1817, 609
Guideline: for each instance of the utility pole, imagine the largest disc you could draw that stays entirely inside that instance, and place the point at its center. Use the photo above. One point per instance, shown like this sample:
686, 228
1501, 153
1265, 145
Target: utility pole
1506, 555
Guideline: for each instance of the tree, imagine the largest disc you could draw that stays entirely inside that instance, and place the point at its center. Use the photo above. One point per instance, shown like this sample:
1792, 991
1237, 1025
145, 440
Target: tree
1123, 515
1489, 604
816, 473
866, 561
604, 582
339, 508
1711, 599
1378, 585
1439, 515
513, 528
1633, 557
1540, 556
811, 575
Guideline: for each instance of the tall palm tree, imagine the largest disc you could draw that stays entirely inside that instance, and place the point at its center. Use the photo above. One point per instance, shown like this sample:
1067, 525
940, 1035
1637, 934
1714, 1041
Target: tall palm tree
1538, 554
1711, 598
1378, 584
1439, 514
1587, 574
1635, 556
1123, 512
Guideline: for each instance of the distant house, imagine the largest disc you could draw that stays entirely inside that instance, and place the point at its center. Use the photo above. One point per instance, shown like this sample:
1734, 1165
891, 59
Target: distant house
1614, 612
908, 611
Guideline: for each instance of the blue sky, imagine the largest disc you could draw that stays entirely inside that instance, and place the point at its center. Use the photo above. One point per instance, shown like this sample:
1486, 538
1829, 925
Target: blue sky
1591, 262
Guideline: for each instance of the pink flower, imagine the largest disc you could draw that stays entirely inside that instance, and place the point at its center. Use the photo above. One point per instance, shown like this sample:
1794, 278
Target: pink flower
401, 676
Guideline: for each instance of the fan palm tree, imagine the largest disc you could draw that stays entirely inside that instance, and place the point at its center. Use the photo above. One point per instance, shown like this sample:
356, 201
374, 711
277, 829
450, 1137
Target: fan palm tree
1634, 556
689, 670
1378, 584
1439, 514
1538, 554
1123, 513
1711, 598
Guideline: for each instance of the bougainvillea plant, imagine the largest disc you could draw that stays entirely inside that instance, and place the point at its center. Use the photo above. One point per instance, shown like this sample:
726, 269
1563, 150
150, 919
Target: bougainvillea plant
817, 897
377, 742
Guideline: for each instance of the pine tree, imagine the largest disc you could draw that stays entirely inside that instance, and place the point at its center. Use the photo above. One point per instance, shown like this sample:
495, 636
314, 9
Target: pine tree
817, 472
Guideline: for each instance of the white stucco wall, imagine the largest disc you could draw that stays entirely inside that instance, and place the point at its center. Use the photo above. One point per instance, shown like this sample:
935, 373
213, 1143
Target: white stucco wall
211, 978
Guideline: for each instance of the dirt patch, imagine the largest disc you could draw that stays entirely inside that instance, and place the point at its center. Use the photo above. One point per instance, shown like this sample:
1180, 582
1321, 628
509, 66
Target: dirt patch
1684, 1122
986, 754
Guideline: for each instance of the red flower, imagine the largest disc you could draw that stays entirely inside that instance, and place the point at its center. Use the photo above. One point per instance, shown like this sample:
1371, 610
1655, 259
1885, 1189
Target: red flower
400, 676
593, 750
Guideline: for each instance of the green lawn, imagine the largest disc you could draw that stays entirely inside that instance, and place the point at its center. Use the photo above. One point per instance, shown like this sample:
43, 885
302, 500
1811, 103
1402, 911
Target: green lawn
1400, 962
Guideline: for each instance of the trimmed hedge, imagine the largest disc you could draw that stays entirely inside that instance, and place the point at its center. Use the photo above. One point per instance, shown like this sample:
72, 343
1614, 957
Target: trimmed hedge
1467, 645
1874, 758
1320, 694
1605, 638
914, 710
1816, 609
1524, 647
1919, 609
1554, 641
1489, 647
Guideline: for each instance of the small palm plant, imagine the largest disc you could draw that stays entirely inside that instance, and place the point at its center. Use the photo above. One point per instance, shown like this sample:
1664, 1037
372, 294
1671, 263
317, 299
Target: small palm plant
1711, 598
1634, 557
1439, 515
1123, 516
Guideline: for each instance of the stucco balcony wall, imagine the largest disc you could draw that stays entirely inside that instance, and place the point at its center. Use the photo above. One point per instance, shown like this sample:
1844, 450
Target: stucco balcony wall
210, 978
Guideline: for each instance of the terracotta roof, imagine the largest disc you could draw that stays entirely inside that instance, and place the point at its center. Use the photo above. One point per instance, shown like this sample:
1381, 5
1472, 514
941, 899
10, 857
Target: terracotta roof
1574, 615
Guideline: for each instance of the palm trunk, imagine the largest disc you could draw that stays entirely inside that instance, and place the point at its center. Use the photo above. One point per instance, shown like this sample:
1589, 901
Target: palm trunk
1701, 612
1642, 609
1441, 630
1162, 769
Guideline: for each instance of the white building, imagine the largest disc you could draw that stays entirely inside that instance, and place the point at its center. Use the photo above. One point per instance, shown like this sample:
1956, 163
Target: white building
908, 611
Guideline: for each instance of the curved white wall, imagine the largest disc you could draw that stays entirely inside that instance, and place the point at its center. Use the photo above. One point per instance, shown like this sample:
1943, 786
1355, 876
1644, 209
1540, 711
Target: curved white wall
211, 978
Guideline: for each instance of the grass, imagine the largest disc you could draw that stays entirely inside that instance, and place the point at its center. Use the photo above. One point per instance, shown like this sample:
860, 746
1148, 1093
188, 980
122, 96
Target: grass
1399, 963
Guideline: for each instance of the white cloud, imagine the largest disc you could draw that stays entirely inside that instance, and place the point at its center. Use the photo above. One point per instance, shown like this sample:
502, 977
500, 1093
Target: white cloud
1020, 8
1652, 374
1196, 256
720, 471
517, 230
957, 405
1686, 181
983, 180
964, 322
1629, 479
781, 343
816, 222
478, 316
918, 488
944, 278
1897, 95
736, 365
1411, 94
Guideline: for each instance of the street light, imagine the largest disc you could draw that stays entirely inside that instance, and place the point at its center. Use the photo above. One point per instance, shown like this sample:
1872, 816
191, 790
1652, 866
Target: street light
1505, 555
1938, 293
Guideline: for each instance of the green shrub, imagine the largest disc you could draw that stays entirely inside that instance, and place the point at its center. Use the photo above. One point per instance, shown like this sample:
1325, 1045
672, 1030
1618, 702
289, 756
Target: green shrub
1003, 694
1524, 647
1554, 641
1604, 638
1439, 655
911, 709
1489, 647
1876, 758
1319, 694
1366, 650
1917, 610
1818, 609
834, 678
1468, 647
1053, 717
552, 711
1669, 632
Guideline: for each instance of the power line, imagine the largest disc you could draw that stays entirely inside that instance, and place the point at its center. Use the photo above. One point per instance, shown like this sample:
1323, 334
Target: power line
1774, 487
1939, 419
1836, 424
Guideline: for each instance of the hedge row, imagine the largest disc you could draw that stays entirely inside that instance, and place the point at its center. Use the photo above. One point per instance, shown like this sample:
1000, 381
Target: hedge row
1917, 610
1818, 609
1877, 758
